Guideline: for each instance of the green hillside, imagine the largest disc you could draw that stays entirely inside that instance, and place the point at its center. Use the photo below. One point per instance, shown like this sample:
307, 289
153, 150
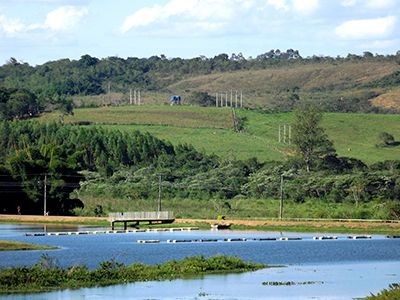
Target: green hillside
211, 130
357, 86
322, 82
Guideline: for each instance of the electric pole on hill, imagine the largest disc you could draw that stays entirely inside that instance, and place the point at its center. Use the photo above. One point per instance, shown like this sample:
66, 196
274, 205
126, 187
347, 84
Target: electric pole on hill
159, 194
45, 195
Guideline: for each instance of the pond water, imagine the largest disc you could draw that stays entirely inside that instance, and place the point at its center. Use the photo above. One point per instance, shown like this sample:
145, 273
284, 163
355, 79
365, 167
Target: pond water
334, 269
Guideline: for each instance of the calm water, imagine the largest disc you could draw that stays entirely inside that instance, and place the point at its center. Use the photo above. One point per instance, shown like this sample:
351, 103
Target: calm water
343, 268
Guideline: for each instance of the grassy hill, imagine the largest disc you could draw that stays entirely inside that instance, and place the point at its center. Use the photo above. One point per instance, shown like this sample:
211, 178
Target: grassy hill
211, 130
323, 82
320, 81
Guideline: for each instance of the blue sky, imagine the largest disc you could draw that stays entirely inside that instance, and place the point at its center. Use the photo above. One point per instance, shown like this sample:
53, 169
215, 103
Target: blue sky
36, 31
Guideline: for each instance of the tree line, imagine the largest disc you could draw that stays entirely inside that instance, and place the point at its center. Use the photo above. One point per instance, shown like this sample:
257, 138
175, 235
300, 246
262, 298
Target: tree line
93, 76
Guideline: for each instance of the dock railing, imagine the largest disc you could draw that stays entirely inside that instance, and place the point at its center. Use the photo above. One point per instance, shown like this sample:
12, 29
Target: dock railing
152, 217
141, 216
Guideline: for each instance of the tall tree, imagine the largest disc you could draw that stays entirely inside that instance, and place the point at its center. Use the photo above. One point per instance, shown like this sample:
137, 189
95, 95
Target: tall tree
309, 137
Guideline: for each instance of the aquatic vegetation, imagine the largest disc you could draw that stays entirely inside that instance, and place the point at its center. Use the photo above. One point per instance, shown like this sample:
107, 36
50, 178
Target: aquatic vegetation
14, 245
393, 292
47, 276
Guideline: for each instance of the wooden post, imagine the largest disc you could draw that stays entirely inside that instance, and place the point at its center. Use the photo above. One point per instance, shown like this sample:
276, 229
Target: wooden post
216, 99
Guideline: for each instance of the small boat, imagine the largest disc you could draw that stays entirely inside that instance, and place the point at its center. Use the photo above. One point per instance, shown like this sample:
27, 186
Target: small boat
221, 226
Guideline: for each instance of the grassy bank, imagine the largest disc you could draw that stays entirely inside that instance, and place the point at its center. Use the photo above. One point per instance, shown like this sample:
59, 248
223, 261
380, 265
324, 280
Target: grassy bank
13, 246
241, 208
44, 276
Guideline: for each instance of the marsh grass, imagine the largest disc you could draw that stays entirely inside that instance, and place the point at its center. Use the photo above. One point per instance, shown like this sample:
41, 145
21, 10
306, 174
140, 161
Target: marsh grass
45, 276
14, 246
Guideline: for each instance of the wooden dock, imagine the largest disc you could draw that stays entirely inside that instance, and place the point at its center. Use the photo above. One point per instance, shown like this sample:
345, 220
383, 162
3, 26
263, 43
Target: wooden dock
150, 217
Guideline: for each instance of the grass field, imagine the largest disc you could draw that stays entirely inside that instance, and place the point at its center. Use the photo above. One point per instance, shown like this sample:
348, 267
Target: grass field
210, 130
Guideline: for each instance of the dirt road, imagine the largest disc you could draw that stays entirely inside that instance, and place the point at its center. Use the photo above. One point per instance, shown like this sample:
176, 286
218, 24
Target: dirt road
312, 224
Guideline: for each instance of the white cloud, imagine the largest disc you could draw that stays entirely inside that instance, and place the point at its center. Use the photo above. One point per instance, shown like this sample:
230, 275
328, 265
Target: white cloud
278, 4
64, 18
60, 19
366, 28
10, 26
305, 6
348, 3
369, 4
379, 4
187, 15
208, 15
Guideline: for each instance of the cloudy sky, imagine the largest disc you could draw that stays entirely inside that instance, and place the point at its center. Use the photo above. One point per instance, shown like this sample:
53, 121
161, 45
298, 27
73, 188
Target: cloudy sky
36, 31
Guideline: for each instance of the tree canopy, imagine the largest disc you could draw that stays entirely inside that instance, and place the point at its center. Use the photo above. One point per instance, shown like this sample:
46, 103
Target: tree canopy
309, 138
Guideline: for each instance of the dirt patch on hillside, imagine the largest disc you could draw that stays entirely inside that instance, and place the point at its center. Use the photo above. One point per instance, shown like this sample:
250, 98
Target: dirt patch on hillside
389, 100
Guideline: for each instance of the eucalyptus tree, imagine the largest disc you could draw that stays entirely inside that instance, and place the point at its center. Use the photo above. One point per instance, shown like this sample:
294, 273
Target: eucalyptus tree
309, 137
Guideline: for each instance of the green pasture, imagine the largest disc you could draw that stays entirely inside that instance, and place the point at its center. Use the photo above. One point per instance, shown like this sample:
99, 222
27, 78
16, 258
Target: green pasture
210, 129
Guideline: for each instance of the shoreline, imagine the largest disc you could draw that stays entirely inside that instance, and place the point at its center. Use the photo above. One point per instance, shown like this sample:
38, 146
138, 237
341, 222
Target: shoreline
359, 226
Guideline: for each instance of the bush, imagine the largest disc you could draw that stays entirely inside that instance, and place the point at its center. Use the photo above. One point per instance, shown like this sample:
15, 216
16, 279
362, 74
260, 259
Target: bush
202, 99
386, 139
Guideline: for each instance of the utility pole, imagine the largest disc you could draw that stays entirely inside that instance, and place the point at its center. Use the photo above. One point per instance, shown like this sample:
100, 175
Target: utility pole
109, 93
284, 133
236, 99
45, 196
281, 200
159, 194
279, 133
